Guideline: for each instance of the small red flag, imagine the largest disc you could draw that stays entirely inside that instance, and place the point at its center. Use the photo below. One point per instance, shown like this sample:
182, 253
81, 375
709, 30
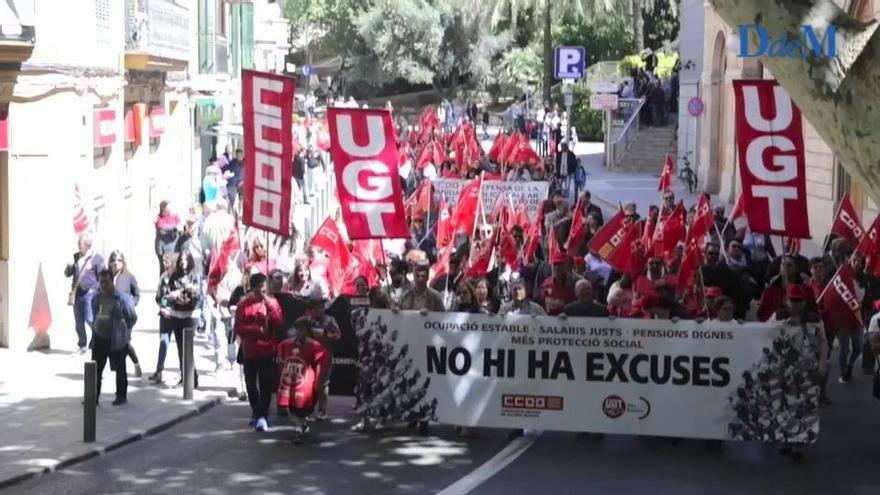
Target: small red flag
739, 209
703, 221
534, 237
497, 146
840, 300
666, 174
847, 224
425, 157
445, 226
690, 263
599, 244
553, 248
469, 203
674, 230
220, 257
481, 258
578, 230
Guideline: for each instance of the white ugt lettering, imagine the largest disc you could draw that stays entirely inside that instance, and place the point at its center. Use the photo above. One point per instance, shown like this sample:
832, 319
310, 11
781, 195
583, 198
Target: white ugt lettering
756, 121
375, 132
787, 164
374, 212
776, 196
378, 186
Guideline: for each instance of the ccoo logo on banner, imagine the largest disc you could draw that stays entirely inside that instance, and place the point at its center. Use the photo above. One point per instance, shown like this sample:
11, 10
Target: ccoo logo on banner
363, 147
771, 154
267, 106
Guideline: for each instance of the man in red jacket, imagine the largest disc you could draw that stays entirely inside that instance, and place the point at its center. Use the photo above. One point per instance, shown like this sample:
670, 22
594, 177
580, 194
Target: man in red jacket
257, 321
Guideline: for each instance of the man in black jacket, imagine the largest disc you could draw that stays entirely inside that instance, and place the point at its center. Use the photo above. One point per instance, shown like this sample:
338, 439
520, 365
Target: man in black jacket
84, 273
585, 305
715, 271
566, 164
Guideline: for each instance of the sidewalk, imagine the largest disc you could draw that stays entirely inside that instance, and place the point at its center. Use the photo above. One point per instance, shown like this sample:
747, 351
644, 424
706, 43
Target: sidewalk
41, 394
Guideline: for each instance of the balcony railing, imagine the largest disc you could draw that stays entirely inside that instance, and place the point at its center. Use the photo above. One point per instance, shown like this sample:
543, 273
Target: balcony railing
158, 28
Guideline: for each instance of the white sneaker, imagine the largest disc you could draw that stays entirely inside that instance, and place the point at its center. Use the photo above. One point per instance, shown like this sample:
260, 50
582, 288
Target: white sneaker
262, 425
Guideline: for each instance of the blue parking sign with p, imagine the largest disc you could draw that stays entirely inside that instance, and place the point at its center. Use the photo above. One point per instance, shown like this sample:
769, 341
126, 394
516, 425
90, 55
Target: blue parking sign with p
570, 61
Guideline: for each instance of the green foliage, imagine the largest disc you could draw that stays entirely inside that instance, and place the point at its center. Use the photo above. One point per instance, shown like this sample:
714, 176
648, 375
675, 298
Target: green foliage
331, 22
606, 37
517, 68
587, 121
442, 43
661, 22
665, 63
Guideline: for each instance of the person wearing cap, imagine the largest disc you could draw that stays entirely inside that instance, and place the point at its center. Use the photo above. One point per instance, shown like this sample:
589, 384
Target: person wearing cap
257, 321
421, 237
713, 294
813, 344
773, 297
656, 272
557, 290
303, 364
326, 331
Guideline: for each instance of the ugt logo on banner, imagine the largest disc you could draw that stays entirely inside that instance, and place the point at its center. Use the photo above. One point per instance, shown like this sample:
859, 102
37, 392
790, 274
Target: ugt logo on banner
364, 153
267, 107
772, 166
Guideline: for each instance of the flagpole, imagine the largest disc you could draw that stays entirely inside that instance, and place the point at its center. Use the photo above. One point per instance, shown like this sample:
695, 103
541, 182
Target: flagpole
723, 248
479, 205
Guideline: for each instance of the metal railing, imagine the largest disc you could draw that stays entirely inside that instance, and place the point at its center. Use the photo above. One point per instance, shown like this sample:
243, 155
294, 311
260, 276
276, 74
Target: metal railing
628, 111
324, 203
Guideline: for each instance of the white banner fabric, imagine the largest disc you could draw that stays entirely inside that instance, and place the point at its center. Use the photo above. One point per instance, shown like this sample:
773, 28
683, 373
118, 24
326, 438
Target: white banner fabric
533, 192
712, 380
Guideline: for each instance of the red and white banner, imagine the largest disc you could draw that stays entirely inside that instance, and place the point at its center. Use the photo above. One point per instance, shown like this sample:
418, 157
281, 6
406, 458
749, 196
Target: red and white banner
770, 142
105, 127
267, 108
364, 153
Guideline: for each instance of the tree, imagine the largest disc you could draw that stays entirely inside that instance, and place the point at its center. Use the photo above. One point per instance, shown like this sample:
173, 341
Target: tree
511, 9
327, 25
442, 43
838, 95
637, 26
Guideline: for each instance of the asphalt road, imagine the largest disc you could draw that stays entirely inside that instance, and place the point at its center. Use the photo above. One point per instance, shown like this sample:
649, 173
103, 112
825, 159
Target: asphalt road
216, 453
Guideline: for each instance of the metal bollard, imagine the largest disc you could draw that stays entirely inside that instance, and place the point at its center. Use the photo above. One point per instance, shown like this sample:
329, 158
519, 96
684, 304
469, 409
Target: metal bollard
188, 365
90, 400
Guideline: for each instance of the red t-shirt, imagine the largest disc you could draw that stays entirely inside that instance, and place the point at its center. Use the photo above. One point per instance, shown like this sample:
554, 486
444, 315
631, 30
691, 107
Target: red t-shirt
555, 297
297, 369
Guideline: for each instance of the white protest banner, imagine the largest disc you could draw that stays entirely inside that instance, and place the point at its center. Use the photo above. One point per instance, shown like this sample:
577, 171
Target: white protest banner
713, 380
534, 192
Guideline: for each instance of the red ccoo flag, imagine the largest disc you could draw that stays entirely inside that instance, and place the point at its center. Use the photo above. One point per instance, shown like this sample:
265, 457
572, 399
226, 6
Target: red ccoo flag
445, 226
469, 203
666, 174
703, 221
869, 247
840, 300
578, 230
847, 224
599, 244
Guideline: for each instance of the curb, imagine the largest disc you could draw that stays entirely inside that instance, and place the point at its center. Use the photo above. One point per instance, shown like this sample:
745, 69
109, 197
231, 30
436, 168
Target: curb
97, 451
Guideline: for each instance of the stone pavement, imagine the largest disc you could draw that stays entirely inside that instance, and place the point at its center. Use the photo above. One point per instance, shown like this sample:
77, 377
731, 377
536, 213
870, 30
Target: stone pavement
41, 394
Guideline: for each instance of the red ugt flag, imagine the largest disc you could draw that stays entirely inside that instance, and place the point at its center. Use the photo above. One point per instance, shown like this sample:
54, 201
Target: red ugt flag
364, 152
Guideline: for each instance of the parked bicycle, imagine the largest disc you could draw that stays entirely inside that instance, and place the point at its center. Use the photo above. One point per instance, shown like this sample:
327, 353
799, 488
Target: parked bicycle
687, 175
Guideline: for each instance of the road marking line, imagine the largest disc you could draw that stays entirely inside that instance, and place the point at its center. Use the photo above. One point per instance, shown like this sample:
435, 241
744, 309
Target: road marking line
493, 466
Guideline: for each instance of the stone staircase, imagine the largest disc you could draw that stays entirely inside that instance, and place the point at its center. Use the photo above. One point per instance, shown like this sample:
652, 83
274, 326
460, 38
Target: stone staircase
647, 150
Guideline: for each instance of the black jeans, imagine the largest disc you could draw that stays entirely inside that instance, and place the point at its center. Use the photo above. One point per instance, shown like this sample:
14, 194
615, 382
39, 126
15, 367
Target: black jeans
261, 383
101, 353
177, 326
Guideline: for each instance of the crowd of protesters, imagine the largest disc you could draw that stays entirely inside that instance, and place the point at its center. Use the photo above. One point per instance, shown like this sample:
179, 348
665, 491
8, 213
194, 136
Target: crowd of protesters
494, 262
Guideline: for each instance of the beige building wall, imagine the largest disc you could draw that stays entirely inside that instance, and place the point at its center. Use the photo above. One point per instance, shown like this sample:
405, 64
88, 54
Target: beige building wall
826, 180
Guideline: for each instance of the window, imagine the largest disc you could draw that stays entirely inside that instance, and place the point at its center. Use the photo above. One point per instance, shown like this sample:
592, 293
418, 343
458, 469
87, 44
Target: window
103, 23
4, 206
220, 17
